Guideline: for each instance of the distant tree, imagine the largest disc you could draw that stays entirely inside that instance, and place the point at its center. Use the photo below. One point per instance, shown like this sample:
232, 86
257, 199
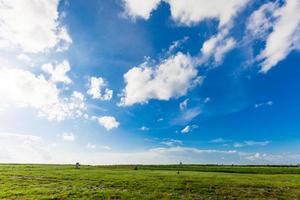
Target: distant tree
135, 168
180, 163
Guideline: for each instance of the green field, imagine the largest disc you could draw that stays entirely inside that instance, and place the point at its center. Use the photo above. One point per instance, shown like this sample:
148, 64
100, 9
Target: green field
149, 182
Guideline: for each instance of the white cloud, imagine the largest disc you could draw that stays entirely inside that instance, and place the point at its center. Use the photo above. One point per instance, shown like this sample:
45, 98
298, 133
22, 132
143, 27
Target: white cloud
105, 147
171, 142
221, 50
256, 156
284, 37
21, 88
173, 77
190, 149
96, 87
206, 100
71, 107
186, 129
108, 122
25, 89
68, 136
144, 128
183, 105
257, 143
22, 148
64, 40
217, 46
176, 44
32, 26
58, 72
19, 148
90, 146
138, 8
24, 57
238, 144
189, 12
218, 140
25, 137
261, 21
195, 11
189, 128
187, 115
98, 147
251, 143
269, 103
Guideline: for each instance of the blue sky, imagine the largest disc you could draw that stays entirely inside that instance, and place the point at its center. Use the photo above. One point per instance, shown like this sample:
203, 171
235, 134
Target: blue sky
158, 81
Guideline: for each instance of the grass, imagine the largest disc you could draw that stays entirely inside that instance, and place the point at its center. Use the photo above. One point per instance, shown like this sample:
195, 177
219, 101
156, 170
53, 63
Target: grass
149, 182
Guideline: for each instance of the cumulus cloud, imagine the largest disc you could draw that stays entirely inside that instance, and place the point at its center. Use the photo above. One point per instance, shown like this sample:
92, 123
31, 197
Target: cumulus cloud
58, 72
25, 89
144, 83
173, 77
72, 107
27, 28
21, 88
108, 122
97, 90
189, 12
68, 136
194, 11
138, 8
285, 24
32, 26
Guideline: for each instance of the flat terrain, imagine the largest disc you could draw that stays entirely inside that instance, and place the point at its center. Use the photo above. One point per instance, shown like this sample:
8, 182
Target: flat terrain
149, 182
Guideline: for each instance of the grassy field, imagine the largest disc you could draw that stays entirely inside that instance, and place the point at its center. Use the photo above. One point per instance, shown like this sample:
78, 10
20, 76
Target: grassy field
149, 182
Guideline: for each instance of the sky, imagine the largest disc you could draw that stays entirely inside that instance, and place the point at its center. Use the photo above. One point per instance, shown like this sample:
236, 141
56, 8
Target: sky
150, 81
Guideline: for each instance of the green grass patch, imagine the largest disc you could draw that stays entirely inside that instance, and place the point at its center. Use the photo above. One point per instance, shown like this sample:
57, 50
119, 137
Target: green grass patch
149, 182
